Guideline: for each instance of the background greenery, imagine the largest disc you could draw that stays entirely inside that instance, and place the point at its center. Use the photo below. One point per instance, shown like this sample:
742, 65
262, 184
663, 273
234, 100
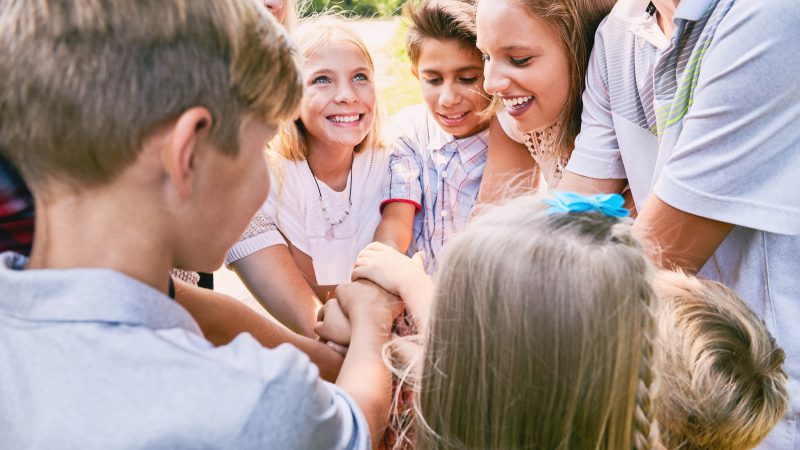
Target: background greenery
362, 8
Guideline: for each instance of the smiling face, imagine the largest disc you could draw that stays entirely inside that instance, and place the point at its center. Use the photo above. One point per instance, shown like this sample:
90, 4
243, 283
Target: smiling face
451, 76
528, 69
339, 101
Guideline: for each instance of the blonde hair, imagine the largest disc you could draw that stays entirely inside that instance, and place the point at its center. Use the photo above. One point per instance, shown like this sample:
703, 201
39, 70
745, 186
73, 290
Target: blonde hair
540, 335
575, 23
86, 81
723, 385
312, 35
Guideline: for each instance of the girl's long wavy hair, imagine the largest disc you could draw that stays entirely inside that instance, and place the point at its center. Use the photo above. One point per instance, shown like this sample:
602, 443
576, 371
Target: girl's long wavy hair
540, 336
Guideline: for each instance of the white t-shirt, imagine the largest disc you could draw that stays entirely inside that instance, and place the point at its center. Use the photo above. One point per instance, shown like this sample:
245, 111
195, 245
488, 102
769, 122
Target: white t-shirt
294, 205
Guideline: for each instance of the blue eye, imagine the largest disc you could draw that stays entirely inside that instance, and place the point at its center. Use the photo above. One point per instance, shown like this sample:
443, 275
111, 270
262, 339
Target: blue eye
520, 61
322, 79
484, 57
360, 77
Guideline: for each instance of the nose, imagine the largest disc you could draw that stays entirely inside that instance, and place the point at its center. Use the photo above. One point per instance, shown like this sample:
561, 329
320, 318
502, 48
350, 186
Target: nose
449, 96
346, 94
494, 80
274, 6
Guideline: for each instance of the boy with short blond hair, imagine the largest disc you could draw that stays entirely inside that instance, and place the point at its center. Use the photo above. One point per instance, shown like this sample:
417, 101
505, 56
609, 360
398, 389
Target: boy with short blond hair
140, 127
723, 384
440, 148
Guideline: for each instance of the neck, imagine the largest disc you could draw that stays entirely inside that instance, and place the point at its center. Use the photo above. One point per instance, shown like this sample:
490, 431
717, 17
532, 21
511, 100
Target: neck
330, 163
666, 12
95, 229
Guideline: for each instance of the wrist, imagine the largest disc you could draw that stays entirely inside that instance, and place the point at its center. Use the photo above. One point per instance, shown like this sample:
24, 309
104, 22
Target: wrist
370, 333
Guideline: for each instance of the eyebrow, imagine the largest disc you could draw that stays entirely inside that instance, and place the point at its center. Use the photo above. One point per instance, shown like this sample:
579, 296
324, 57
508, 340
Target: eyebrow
459, 69
515, 47
321, 72
332, 72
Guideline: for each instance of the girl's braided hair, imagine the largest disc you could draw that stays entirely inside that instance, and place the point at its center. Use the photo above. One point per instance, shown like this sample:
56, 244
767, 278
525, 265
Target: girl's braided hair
541, 335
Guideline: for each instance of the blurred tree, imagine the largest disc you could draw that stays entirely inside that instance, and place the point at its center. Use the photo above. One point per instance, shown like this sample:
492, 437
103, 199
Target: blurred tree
362, 8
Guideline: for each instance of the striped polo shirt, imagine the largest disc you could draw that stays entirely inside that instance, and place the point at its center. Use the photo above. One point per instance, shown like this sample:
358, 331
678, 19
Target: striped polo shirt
706, 120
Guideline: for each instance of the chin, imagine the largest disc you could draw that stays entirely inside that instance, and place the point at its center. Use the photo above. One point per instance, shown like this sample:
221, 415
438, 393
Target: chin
529, 124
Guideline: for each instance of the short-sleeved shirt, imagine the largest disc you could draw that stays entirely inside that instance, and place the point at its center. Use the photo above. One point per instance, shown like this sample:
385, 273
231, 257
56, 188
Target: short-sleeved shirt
707, 121
93, 359
16, 211
437, 173
295, 209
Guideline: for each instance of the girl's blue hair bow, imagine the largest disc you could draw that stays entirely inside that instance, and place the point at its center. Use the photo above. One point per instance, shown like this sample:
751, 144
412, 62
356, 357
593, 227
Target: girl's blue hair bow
608, 204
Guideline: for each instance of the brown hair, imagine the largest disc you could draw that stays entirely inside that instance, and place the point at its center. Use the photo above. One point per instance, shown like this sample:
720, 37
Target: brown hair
575, 22
540, 336
723, 385
311, 35
86, 81
444, 20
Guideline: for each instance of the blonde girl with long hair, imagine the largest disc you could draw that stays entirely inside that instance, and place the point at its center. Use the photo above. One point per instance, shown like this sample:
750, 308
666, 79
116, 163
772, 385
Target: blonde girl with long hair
328, 168
540, 332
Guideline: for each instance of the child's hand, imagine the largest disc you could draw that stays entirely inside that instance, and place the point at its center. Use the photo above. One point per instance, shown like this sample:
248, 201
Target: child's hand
387, 267
333, 325
364, 302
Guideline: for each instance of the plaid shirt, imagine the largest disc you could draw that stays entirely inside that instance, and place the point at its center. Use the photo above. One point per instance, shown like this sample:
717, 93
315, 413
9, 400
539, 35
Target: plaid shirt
16, 211
438, 174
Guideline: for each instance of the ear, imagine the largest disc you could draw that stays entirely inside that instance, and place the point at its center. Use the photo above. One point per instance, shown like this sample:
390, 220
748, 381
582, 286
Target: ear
415, 72
189, 132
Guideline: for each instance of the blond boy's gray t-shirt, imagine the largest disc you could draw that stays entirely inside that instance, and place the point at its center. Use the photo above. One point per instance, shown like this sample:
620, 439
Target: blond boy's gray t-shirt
708, 122
92, 359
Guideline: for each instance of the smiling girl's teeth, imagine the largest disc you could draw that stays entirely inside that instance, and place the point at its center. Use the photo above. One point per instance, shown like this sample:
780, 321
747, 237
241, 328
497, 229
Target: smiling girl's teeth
457, 116
516, 102
344, 119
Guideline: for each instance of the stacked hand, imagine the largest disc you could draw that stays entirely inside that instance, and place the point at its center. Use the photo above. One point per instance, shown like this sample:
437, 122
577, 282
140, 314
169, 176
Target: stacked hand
357, 304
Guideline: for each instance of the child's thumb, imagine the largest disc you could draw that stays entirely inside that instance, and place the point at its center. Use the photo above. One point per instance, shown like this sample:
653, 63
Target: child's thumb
418, 259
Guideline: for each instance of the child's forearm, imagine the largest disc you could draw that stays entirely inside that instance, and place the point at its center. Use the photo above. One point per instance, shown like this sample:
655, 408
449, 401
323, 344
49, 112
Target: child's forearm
418, 296
397, 226
271, 274
222, 318
364, 375
367, 379
391, 233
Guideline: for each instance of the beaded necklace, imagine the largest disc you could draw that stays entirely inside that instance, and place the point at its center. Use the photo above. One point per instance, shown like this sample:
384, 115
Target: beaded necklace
331, 233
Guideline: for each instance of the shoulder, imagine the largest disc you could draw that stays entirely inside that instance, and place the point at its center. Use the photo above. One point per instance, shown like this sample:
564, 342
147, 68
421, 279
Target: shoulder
289, 406
412, 123
295, 408
775, 19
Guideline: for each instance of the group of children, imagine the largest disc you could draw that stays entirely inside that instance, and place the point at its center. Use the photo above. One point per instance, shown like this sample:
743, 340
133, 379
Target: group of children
545, 324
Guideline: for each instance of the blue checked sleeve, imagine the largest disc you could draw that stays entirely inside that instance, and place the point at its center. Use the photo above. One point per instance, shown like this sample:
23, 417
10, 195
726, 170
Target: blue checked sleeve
405, 183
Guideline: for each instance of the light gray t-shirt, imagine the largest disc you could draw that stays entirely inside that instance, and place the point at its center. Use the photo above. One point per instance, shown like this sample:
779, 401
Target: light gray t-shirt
93, 359
708, 122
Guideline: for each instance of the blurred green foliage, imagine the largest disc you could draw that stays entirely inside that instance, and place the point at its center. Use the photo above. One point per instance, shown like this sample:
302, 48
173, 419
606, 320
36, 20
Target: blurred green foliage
361, 8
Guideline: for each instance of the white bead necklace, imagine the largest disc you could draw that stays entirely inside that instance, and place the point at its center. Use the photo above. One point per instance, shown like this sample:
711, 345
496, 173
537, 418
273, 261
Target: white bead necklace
331, 233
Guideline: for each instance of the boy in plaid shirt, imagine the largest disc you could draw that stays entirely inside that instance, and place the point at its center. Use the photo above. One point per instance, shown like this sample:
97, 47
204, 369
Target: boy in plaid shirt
440, 149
